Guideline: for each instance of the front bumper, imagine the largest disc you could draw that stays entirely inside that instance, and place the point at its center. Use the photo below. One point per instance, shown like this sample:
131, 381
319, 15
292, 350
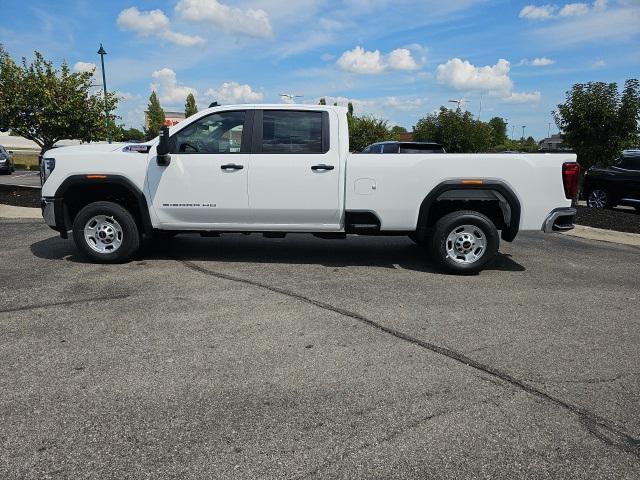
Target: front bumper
559, 220
54, 215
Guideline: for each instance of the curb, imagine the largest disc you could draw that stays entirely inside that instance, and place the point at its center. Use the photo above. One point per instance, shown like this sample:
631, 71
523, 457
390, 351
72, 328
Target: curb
602, 235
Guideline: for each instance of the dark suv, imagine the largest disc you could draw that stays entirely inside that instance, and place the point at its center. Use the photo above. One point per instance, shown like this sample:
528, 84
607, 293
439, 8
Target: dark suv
606, 187
6, 162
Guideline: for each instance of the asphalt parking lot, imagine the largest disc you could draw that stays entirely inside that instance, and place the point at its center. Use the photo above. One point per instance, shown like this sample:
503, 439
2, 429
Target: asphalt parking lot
245, 357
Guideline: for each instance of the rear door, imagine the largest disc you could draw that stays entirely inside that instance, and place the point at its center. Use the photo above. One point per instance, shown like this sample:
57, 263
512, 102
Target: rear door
206, 181
294, 176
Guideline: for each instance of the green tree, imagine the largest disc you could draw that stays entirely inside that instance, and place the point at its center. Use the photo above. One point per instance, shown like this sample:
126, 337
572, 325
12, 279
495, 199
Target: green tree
155, 117
45, 104
397, 130
322, 102
597, 122
129, 134
349, 110
366, 130
499, 127
190, 107
456, 130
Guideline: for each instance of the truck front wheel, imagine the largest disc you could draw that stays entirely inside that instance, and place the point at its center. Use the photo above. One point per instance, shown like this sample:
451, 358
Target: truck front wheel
106, 232
463, 242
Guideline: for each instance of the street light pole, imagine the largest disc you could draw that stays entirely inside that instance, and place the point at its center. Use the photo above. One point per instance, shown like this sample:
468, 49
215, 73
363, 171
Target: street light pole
102, 53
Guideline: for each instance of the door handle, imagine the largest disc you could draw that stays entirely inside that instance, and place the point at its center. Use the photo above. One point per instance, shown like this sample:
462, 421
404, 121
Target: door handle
231, 166
322, 166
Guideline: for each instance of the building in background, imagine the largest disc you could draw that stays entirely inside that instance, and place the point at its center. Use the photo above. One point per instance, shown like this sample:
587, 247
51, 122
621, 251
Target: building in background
170, 118
554, 143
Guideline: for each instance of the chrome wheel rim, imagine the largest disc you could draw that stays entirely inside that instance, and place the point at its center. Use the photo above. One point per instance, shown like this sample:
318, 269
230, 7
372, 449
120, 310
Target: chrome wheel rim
103, 234
597, 199
466, 244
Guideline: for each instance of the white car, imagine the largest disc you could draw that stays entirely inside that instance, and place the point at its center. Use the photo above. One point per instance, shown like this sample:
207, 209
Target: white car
278, 169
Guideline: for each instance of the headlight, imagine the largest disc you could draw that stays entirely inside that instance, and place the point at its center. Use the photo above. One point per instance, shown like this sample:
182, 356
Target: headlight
46, 167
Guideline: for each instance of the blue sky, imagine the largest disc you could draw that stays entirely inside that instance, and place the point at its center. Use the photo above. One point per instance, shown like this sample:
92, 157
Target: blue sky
396, 59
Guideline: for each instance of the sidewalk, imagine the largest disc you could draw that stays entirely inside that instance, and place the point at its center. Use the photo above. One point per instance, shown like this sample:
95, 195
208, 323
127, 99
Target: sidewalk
9, 211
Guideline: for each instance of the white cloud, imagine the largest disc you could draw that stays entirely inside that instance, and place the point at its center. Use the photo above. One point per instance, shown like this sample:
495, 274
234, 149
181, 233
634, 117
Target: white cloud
233, 92
574, 9
401, 59
542, 62
462, 75
598, 64
84, 67
167, 87
600, 4
523, 97
250, 22
359, 60
144, 23
599, 25
547, 12
182, 39
327, 57
404, 104
492, 79
531, 12
154, 23
362, 61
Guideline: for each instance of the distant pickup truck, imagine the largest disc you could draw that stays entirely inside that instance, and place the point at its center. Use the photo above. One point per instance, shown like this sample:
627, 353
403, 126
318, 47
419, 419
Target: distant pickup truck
278, 169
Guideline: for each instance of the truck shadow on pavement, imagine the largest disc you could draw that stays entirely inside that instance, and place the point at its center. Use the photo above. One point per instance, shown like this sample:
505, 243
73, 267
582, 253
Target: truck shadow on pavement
302, 249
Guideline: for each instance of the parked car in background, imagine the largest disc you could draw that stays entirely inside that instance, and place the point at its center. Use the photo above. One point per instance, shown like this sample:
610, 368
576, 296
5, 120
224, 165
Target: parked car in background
607, 187
404, 147
7, 166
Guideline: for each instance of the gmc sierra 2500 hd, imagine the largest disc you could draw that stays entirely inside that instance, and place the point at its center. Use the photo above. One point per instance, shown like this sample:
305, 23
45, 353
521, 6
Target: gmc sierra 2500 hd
278, 169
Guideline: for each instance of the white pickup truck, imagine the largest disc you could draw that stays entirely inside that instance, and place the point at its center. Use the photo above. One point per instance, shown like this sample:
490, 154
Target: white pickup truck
277, 169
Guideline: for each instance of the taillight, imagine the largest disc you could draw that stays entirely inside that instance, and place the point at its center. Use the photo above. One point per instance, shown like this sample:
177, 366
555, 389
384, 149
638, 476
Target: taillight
570, 178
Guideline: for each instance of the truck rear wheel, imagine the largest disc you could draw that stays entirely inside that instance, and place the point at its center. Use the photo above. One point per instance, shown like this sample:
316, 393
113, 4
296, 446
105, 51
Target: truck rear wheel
463, 242
106, 232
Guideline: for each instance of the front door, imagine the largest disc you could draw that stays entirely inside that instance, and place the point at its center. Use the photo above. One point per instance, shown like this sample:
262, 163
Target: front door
294, 179
206, 181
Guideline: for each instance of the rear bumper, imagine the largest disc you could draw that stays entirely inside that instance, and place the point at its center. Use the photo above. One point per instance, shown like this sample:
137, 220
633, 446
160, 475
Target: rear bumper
559, 220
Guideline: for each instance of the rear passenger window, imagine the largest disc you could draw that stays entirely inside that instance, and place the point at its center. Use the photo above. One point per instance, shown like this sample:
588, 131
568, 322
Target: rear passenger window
390, 148
291, 132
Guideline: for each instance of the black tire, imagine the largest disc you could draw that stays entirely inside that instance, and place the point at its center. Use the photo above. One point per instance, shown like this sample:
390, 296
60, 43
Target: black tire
484, 230
124, 223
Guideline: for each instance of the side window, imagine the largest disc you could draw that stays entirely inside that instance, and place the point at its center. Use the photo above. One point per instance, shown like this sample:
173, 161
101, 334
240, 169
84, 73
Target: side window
630, 163
389, 148
291, 132
216, 133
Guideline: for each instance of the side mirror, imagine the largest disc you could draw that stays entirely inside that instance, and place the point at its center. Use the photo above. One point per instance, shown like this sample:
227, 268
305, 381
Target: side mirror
162, 152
